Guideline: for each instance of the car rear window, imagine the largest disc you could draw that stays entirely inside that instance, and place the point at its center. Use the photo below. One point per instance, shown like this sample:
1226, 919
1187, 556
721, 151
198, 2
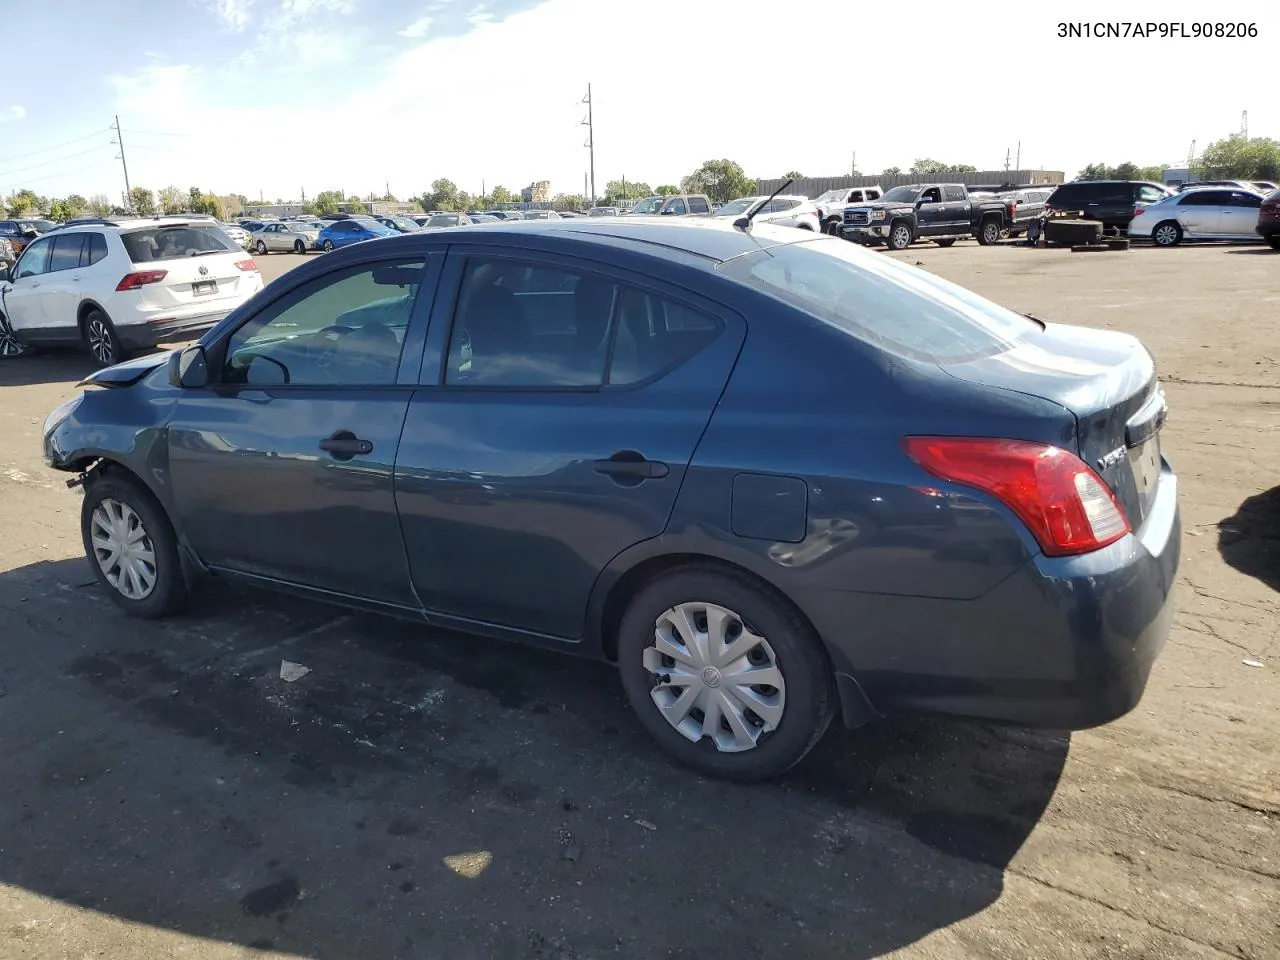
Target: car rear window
898, 308
173, 243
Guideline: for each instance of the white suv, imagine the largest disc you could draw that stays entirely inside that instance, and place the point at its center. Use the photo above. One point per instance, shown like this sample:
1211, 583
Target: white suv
119, 286
785, 210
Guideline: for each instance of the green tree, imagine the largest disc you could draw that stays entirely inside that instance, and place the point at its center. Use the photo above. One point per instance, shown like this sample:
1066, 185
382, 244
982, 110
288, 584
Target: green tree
891, 172
143, 203
194, 196
231, 205
99, 205
443, 196
24, 203
567, 201
1240, 158
666, 190
721, 180
616, 190
929, 168
326, 201
501, 195
61, 211
793, 175
389, 198
172, 200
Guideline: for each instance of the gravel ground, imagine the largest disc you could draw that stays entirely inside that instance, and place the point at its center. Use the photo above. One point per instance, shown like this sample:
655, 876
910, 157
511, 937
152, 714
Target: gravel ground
427, 795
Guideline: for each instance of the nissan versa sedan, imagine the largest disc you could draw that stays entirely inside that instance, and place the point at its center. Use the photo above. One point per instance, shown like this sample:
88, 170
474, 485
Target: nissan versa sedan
775, 478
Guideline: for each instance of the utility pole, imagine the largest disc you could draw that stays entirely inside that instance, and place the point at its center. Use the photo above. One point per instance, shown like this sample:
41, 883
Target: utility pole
1017, 164
1006, 159
590, 124
853, 165
128, 193
1244, 125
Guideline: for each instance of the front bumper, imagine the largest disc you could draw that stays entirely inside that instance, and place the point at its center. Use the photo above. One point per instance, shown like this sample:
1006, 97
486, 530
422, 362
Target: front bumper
1064, 643
865, 233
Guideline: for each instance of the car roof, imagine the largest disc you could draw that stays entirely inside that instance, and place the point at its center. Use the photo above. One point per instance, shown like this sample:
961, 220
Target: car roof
703, 238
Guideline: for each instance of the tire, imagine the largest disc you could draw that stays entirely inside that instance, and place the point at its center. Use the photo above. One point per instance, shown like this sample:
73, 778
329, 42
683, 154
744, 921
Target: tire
945, 243
299, 247
115, 506
1273, 241
261, 248
989, 232
832, 226
1167, 233
748, 750
10, 347
899, 236
327, 247
101, 339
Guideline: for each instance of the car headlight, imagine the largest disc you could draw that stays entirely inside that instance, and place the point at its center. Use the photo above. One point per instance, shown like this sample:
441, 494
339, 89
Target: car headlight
878, 214
60, 413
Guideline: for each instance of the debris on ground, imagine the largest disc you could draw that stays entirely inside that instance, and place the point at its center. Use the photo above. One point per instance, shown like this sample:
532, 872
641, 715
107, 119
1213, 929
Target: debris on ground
1252, 663
290, 671
645, 823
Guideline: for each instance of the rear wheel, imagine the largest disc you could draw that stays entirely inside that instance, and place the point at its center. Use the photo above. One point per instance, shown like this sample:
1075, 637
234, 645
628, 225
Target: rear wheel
899, 236
1273, 241
328, 246
131, 546
101, 340
1167, 234
724, 674
989, 232
261, 248
10, 346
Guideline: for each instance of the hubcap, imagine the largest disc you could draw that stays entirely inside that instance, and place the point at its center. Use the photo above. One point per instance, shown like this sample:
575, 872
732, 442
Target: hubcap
1166, 235
901, 236
9, 345
992, 232
714, 677
123, 549
100, 343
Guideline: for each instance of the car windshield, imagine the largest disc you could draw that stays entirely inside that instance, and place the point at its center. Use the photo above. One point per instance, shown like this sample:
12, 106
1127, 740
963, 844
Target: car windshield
831, 195
648, 205
902, 195
39, 226
879, 300
172, 243
536, 215
735, 207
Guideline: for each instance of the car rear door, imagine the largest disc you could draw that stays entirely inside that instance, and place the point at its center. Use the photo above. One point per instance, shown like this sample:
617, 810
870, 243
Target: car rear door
1239, 214
524, 467
1200, 211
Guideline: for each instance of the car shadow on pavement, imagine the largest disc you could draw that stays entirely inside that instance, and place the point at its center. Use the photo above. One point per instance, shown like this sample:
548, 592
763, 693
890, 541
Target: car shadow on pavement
1249, 539
418, 793
1256, 251
66, 365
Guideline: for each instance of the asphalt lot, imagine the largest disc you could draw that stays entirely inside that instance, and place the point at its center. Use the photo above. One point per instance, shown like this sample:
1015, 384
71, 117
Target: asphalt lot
165, 794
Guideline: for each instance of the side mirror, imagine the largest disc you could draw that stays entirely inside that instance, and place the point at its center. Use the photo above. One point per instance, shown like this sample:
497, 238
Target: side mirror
189, 368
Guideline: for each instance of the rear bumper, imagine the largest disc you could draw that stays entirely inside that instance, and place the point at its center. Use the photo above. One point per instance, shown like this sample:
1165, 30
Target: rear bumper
142, 336
1268, 229
1064, 643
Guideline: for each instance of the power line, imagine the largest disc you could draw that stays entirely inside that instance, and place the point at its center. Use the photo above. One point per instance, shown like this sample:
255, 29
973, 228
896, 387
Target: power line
67, 173
56, 146
45, 163
157, 133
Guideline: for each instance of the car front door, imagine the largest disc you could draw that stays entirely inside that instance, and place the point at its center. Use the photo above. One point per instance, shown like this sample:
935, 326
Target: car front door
60, 289
530, 466
1239, 216
1200, 211
24, 298
282, 467
931, 214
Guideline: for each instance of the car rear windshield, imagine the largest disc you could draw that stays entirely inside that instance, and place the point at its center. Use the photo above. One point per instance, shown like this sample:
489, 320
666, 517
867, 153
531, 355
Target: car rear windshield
173, 243
898, 308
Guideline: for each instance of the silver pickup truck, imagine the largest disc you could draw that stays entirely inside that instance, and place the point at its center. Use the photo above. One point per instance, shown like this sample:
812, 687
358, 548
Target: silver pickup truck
832, 203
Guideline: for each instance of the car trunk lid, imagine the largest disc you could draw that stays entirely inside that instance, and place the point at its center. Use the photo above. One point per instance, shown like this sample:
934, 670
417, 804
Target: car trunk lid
1107, 380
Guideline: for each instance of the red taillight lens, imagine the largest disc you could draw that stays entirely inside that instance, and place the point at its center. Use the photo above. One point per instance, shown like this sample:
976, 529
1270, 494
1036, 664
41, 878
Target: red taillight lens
1013, 209
248, 266
1138, 211
132, 281
1066, 506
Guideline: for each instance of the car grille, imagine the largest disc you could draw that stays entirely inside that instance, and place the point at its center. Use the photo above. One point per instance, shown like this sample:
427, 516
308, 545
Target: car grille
857, 218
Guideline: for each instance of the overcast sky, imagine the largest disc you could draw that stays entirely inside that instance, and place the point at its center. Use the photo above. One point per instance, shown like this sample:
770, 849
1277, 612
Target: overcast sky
281, 95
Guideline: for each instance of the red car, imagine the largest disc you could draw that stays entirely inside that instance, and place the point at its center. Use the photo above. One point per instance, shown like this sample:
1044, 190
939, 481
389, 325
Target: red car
1269, 219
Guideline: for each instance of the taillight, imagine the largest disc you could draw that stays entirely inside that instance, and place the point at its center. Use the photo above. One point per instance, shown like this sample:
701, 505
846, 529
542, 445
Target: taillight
132, 281
1138, 211
248, 266
1013, 209
1063, 502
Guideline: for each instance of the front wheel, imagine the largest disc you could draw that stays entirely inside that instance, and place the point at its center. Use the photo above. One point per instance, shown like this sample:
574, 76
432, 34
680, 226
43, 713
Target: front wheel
132, 547
10, 346
299, 247
327, 246
724, 674
832, 227
989, 233
899, 236
1167, 234
262, 248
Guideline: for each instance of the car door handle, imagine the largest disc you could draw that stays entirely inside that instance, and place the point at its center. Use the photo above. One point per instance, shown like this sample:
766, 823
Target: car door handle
629, 467
343, 445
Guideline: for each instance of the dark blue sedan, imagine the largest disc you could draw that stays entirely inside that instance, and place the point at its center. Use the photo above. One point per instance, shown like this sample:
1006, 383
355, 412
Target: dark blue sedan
774, 477
343, 233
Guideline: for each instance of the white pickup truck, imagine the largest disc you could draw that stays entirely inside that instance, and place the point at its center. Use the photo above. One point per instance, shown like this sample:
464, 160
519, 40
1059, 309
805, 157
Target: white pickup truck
832, 203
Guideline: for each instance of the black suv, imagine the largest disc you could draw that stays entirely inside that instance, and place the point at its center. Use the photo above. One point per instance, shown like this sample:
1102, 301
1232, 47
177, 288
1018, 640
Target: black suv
1111, 201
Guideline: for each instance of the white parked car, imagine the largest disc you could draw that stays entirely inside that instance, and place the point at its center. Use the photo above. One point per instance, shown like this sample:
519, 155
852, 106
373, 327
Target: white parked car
238, 234
1201, 213
289, 236
120, 286
784, 210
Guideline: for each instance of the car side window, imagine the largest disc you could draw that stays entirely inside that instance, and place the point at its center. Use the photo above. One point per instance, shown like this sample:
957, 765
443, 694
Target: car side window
932, 195
1240, 199
655, 334
952, 194
523, 325
35, 259
1201, 198
698, 205
344, 329
1150, 194
677, 208
66, 252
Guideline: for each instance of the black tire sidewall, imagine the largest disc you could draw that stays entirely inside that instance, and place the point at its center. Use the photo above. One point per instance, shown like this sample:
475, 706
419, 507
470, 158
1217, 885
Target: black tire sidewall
117, 350
170, 588
810, 692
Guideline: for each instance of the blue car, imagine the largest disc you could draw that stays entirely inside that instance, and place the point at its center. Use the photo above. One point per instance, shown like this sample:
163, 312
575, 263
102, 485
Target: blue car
775, 478
343, 233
